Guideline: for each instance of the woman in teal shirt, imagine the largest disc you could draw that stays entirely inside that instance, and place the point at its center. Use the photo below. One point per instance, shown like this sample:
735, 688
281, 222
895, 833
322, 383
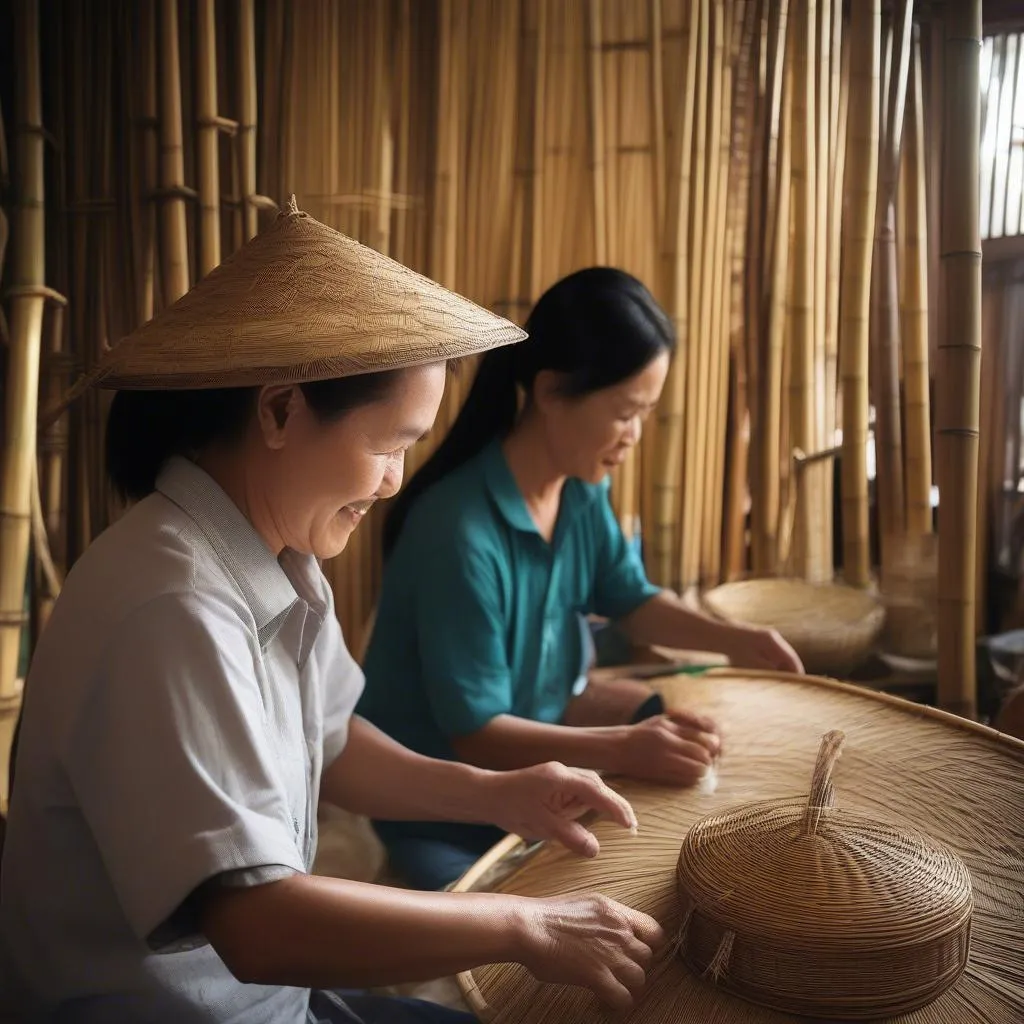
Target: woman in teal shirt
505, 541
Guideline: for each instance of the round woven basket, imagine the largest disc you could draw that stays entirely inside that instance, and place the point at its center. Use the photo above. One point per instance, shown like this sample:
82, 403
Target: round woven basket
910, 777
832, 627
797, 905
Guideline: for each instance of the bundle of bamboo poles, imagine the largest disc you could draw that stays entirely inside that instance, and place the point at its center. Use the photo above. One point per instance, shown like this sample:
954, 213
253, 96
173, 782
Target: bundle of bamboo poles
710, 147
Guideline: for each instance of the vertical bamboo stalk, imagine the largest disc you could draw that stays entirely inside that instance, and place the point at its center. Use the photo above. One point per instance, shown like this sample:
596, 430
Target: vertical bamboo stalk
208, 172
535, 276
959, 367
173, 233
710, 297
694, 383
885, 376
595, 108
744, 100
247, 116
779, 165
801, 385
914, 309
855, 298
27, 299
666, 541
150, 163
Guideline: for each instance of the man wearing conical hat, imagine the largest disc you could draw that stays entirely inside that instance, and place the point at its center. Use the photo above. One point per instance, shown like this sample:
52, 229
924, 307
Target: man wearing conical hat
191, 699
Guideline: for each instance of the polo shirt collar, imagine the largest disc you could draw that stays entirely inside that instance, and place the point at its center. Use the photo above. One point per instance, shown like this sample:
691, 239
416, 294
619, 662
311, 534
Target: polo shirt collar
509, 499
261, 579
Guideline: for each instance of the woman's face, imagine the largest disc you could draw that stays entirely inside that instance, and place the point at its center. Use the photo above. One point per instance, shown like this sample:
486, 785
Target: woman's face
320, 479
589, 436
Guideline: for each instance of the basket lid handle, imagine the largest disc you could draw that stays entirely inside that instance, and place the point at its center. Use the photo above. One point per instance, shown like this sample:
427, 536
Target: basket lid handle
822, 796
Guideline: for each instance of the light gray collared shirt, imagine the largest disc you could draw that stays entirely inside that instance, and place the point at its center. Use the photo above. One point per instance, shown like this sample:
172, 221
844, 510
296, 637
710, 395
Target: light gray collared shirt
182, 703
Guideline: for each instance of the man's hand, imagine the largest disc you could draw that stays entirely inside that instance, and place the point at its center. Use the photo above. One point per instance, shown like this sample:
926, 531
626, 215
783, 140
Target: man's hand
762, 649
545, 801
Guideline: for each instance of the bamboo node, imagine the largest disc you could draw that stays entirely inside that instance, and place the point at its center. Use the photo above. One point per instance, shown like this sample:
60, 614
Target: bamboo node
36, 291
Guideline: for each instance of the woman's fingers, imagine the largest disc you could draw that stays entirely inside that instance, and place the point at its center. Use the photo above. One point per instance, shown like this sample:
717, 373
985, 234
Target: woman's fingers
683, 716
574, 836
607, 987
591, 790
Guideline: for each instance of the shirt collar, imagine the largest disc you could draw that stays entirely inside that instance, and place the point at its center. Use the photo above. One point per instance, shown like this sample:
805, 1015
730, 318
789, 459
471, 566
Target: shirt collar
262, 580
509, 499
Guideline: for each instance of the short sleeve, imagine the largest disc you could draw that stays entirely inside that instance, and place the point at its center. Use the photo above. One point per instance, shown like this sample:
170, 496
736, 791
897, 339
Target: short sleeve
169, 759
620, 584
460, 635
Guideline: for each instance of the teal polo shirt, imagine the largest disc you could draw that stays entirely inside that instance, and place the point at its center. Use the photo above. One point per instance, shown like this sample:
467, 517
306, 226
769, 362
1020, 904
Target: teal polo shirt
480, 616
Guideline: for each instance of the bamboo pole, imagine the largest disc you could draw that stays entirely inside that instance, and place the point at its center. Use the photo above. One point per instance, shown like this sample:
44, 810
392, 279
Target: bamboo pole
885, 376
208, 171
173, 234
666, 539
801, 384
959, 367
914, 313
595, 109
147, 186
766, 507
861, 170
247, 117
710, 299
738, 460
27, 294
692, 498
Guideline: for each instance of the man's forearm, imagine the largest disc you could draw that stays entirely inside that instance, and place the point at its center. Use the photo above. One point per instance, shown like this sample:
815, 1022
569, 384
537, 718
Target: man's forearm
378, 777
328, 933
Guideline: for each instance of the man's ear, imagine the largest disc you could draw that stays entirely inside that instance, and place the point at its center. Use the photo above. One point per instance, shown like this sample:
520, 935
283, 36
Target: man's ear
275, 409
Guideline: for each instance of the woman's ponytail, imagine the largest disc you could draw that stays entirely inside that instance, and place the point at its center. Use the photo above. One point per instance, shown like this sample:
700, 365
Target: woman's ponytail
489, 411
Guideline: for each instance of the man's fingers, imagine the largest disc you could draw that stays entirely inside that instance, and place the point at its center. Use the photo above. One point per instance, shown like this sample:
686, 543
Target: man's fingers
646, 929
611, 991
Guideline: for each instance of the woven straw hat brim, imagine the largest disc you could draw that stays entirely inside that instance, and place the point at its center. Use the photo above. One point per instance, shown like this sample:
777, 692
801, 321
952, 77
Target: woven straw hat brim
958, 783
300, 302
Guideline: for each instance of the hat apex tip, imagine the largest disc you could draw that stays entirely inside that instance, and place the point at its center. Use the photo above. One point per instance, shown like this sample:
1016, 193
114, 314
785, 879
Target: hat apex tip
291, 207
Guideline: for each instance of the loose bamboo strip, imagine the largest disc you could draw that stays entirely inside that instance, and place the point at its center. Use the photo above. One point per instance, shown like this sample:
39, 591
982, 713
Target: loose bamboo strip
914, 309
208, 128
855, 297
173, 236
692, 498
27, 294
710, 299
885, 362
665, 538
801, 383
776, 249
247, 116
958, 379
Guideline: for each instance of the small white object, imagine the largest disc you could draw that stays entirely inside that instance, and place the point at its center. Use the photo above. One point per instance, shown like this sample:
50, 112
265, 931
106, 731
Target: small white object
709, 780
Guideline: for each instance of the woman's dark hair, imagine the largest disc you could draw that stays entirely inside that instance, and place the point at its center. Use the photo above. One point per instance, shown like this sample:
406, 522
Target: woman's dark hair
597, 328
146, 428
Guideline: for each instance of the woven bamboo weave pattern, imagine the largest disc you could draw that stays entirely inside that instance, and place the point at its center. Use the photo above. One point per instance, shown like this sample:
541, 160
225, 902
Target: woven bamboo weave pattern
922, 773
830, 626
803, 906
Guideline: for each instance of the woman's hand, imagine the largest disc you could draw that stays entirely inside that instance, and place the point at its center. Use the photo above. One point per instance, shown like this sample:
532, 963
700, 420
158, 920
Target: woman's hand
543, 802
593, 942
676, 747
761, 649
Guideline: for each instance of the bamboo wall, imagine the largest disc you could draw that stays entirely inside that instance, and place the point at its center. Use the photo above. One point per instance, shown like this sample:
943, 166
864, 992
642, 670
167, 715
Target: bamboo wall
770, 168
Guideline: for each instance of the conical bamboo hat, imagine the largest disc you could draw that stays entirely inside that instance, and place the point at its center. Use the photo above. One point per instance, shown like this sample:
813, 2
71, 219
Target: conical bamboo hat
920, 797
299, 302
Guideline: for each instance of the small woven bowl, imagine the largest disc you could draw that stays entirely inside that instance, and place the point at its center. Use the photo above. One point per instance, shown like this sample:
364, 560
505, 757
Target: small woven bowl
803, 908
832, 627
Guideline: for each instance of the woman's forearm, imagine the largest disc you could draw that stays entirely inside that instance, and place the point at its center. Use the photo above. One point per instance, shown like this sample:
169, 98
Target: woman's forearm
328, 933
378, 777
666, 621
507, 742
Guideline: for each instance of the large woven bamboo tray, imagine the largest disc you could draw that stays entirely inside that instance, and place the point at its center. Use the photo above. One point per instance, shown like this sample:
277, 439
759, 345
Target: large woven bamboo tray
832, 627
956, 782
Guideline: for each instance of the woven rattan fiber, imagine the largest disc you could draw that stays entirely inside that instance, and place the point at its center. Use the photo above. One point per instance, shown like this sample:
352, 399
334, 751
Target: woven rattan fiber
831, 627
919, 771
799, 905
